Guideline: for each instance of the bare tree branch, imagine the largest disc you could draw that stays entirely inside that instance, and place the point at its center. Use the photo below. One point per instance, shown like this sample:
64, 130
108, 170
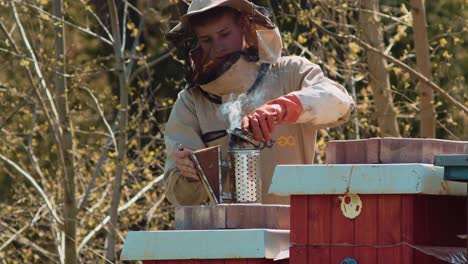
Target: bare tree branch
18, 232
101, 113
150, 64
122, 208
136, 42
87, 31
33, 57
101, 160
16, 236
36, 186
402, 65
98, 20
122, 137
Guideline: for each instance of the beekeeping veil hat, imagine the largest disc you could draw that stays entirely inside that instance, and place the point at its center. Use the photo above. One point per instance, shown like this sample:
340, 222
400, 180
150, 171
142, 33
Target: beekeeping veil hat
260, 34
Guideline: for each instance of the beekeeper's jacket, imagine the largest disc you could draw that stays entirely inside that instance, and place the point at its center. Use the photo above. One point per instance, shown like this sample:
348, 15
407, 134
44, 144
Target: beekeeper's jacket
195, 116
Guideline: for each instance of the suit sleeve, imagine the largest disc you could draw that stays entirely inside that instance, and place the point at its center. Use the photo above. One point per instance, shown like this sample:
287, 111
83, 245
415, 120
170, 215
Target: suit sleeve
325, 103
182, 127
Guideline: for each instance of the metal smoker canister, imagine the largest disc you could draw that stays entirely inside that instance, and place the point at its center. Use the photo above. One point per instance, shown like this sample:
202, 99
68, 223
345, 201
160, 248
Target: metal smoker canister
245, 167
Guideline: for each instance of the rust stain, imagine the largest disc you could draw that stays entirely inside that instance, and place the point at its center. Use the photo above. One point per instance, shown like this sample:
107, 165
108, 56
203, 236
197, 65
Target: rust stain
445, 188
349, 179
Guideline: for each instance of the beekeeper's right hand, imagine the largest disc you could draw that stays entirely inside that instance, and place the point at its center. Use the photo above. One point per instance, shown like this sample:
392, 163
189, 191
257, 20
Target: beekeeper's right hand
185, 165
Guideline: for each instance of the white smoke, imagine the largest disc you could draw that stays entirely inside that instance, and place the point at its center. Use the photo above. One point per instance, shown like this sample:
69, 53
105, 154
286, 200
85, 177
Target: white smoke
231, 111
237, 107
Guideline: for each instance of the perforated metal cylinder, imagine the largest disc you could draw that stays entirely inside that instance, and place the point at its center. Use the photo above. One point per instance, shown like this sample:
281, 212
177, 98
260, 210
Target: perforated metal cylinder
246, 172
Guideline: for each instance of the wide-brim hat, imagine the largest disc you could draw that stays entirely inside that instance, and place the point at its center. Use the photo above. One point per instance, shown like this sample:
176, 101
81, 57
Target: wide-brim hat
257, 14
200, 6
260, 33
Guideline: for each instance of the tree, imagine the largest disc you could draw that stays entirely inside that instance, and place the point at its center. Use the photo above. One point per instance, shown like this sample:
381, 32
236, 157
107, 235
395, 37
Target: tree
369, 21
40, 89
65, 137
421, 45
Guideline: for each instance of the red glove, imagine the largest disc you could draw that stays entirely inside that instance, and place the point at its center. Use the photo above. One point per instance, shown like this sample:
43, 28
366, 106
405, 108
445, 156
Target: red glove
262, 120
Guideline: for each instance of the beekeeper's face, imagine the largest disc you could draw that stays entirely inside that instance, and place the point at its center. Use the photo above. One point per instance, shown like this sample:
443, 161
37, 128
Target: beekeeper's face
221, 37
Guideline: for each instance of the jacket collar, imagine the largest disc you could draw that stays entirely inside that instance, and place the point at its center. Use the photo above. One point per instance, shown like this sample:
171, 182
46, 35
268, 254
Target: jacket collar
238, 79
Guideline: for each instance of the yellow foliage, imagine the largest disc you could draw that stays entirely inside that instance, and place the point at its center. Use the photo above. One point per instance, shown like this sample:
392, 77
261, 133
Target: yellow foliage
442, 42
396, 70
43, 16
134, 32
24, 63
301, 39
406, 76
130, 25
325, 39
446, 54
354, 47
140, 47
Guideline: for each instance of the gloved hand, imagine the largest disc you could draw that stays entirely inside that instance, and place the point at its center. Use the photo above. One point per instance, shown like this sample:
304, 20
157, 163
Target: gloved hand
261, 122
185, 165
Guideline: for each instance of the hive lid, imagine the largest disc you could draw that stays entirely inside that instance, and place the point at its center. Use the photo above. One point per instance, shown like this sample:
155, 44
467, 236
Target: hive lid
363, 179
204, 244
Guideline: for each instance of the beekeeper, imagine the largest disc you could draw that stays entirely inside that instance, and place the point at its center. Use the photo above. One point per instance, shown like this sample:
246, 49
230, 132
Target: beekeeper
234, 55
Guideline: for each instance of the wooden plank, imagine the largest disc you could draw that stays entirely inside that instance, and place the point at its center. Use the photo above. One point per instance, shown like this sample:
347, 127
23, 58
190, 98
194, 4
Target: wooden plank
193, 261
389, 228
319, 228
235, 261
418, 150
342, 232
365, 230
298, 254
258, 261
436, 224
257, 216
364, 151
232, 216
407, 227
212, 261
208, 217
318, 254
421, 227
447, 220
299, 216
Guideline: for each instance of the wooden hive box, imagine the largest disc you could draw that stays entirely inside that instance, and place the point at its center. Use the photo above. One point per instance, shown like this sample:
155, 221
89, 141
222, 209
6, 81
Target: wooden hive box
406, 208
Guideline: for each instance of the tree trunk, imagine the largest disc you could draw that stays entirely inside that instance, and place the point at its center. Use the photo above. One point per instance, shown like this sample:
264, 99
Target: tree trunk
421, 45
66, 151
122, 134
377, 66
465, 127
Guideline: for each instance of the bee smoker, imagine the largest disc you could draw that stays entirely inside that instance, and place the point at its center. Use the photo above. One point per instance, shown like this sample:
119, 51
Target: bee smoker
244, 161
242, 169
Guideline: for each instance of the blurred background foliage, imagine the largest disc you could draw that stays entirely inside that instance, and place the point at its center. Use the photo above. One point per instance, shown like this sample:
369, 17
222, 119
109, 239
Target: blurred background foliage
309, 28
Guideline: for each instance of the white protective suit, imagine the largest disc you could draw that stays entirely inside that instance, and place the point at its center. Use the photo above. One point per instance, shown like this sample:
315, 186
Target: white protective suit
196, 115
